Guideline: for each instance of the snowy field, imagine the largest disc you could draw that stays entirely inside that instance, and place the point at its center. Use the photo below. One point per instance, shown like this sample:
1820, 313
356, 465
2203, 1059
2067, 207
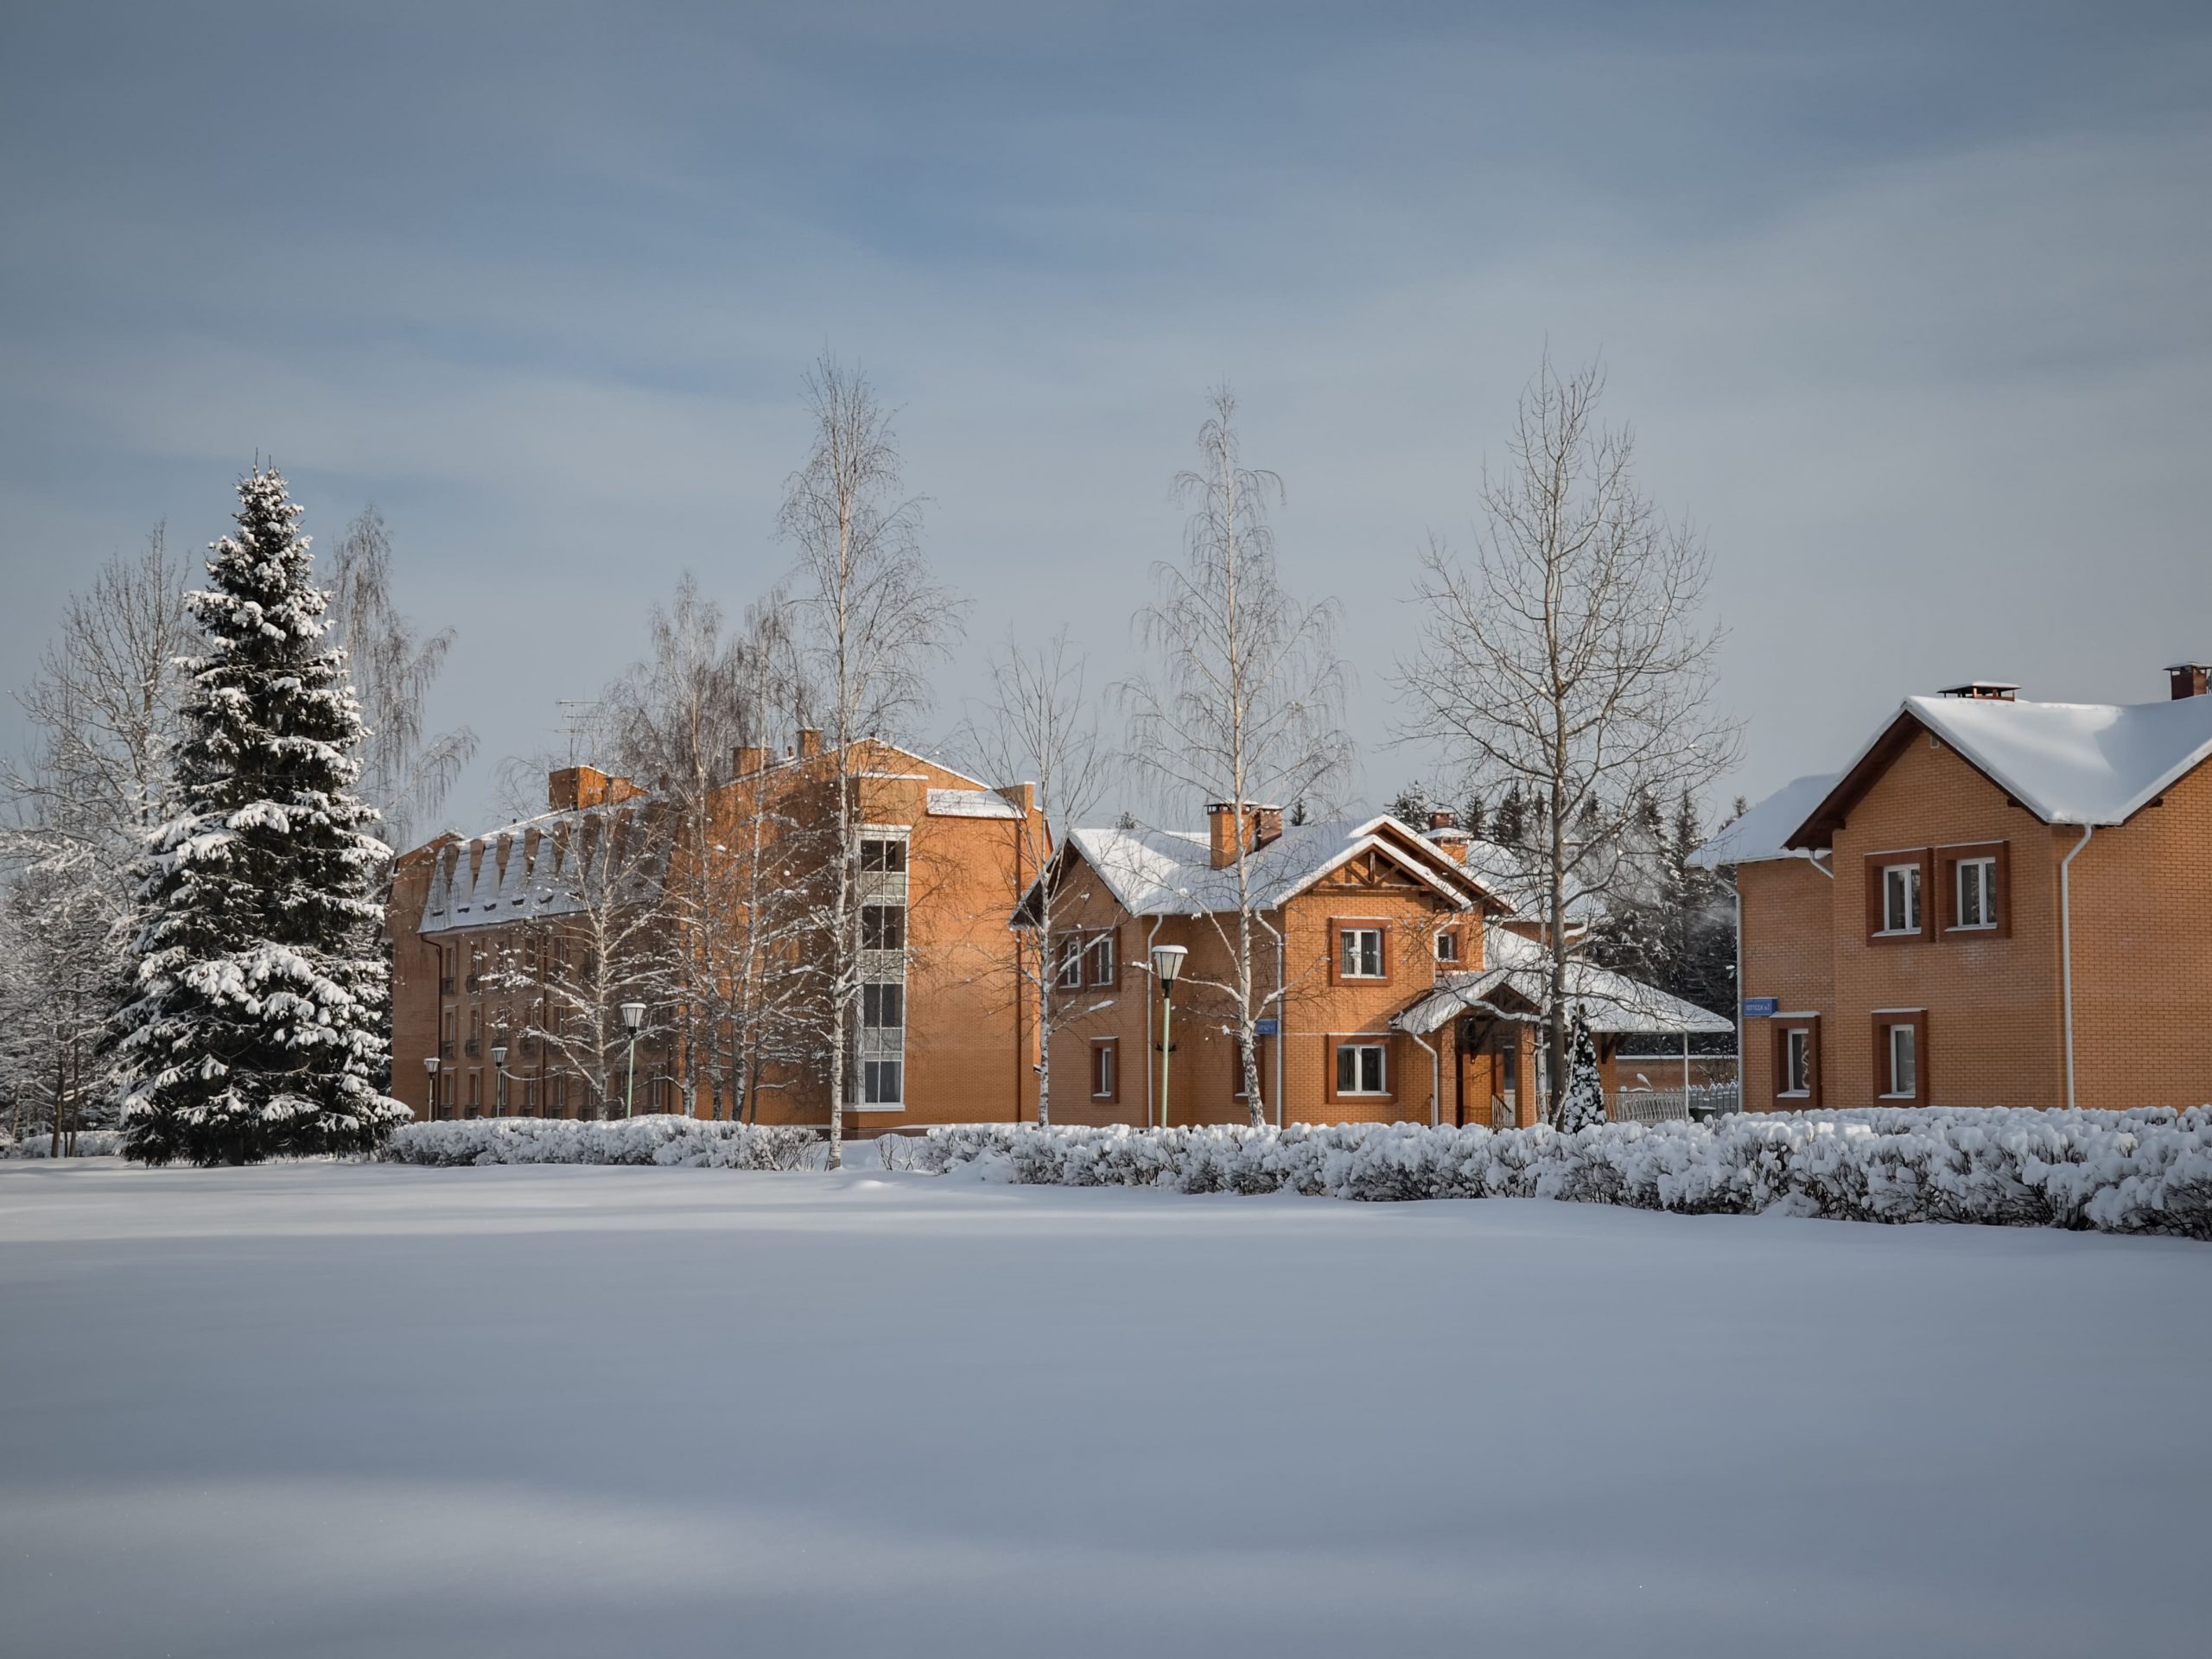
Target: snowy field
316, 1409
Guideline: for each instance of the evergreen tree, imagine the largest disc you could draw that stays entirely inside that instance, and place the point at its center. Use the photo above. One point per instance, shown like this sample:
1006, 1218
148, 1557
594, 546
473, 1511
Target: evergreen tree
1585, 1085
253, 1027
1510, 824
1410, 806
1472, 817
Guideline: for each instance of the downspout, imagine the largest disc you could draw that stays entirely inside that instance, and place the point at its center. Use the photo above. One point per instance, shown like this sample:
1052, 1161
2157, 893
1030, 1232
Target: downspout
1435, 1080
1151, 1071
1283, 1016
2066, 947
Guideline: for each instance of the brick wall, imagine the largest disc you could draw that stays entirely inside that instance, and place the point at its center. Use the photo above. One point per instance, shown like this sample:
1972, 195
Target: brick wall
1789, 951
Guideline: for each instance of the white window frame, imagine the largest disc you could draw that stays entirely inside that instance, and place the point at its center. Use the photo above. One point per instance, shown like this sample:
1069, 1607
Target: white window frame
899, 989
1351, 947
1362, 1047
1447, 946
1099, 965
1983, 868
1797, 1061
1104, 1057
1889, 1060
1070, 977
870, 1072
886, 841
1913, 896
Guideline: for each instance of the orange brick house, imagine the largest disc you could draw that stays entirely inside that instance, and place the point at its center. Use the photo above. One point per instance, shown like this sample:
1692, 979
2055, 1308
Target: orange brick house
941, 1033
1996, 902
1393, 992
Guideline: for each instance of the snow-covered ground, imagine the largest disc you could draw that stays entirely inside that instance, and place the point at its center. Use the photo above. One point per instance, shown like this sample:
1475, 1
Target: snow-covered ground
316, 1409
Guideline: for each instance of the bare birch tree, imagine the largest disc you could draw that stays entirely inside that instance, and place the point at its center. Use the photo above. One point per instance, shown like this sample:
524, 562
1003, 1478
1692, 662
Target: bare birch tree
1038, 727
603, 941
1245, 702
406, 771
1571, 660
874, 618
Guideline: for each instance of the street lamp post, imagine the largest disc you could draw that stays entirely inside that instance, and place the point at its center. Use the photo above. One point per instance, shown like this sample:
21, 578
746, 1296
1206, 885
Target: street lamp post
633, 1015
1167, 963
500, 1080
430, 1065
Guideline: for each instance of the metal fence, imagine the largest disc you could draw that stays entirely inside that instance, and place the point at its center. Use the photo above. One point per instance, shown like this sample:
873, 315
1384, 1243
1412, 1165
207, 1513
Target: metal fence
1662, 1105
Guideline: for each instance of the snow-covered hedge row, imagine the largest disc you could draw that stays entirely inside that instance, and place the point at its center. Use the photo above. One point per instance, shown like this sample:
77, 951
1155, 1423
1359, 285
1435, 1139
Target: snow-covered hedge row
697, 1142
90, 1143
2139, 1171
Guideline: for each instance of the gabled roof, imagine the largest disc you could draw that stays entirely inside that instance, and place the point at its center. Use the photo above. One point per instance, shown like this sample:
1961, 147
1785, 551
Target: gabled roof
1518, 978
1170, 872
2072, 763
1762, 833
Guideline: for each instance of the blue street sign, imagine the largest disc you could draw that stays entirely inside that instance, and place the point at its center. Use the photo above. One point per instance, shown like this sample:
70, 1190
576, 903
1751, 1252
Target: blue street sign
1761, 1007
1266, 1027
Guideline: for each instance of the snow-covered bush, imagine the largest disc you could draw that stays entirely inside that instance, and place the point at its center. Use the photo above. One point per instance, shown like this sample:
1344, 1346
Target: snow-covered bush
2138, 1171
667, 1140
90, 1143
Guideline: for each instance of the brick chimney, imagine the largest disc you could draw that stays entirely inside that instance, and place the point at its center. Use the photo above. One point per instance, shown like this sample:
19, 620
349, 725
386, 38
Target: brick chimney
810, 742
2190, 679
572, 787
751, 759
1447, 836
1262, 825
1023, 796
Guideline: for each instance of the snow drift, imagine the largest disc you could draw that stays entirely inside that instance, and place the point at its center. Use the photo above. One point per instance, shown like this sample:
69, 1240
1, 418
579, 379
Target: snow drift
661, 1139
2138, 1171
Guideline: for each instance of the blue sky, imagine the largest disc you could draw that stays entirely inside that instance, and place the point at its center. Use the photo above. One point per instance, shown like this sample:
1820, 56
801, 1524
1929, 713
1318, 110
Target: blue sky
1907, 306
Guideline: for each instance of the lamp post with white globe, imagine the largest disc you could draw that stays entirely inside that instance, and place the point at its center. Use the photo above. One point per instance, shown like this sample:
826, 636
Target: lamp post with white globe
633, 1015
1166, 963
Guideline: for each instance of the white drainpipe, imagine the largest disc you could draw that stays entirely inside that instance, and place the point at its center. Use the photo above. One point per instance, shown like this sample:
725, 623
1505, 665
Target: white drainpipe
1435, 1081
2066, 947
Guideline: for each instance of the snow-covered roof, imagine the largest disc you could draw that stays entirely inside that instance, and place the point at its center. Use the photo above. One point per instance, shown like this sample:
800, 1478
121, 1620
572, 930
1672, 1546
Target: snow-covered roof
970, 803
1169, 872
1518, 978
1763, 832
535, 868
2076, 763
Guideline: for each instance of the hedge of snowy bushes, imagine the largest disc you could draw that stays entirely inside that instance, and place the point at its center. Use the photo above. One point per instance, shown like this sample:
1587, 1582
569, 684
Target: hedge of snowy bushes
667, 1140
89, 1143
2138, 1171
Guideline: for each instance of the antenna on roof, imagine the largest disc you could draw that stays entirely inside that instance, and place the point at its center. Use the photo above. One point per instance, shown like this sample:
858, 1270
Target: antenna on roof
580, 719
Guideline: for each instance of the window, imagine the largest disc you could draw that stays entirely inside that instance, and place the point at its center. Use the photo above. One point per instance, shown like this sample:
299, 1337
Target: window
475, 1091
560, 1097
883, 927
1447, 946
1976, 890
1901, 898
530, 1097
885, 857
1901, 1056
1974, 880
1100, 956
883, 1008
1105, 1068
1796, 1062
882, 1082
1361, 1069
1071, 977
1360, 953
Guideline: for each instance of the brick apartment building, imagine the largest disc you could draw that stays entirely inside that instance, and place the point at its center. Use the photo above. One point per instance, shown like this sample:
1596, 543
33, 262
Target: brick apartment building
1996, 902
485, 929
1395, 992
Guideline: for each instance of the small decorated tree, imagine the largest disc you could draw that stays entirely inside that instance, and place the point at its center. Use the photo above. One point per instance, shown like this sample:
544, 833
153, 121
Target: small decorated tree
1586, 1087
253, 1025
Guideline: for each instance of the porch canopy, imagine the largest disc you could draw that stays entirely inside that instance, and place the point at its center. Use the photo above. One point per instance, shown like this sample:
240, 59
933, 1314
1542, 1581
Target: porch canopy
1613, 1004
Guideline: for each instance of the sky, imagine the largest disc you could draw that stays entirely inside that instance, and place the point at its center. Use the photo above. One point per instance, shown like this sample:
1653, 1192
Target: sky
1906, 307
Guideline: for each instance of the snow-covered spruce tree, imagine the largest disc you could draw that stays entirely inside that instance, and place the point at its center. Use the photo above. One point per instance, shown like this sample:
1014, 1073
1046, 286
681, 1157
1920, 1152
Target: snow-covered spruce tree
1586, 1086
252, 1028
